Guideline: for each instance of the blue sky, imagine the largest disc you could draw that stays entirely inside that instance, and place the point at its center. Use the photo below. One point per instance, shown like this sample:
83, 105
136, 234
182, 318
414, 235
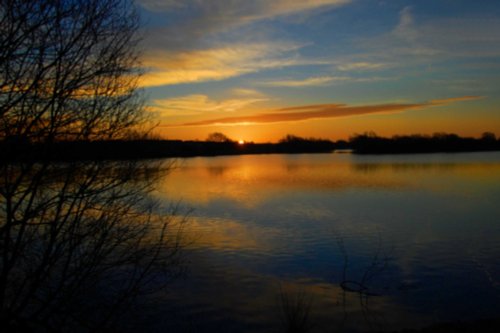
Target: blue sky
246, 68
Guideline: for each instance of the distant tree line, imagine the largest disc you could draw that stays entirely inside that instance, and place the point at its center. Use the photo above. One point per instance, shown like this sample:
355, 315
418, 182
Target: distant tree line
370, 143
141, 147
122, 149
291, 143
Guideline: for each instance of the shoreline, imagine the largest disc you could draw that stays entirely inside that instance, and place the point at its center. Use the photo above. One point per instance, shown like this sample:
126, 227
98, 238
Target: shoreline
155, 149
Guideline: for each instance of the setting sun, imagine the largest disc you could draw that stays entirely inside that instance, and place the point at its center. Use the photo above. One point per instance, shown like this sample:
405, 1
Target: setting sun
241, 142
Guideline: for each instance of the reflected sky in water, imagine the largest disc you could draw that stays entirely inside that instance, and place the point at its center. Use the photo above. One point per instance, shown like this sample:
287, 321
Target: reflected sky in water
420, 232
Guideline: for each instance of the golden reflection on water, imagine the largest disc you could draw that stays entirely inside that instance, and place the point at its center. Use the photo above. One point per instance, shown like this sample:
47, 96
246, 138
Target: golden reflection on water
249, 180
259, 222
245, 184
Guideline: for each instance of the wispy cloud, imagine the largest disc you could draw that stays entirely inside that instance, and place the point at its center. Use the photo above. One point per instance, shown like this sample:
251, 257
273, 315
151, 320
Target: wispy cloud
247, 92
406, 28
204, 41
454, 100
199, 104
306, 112
204, 19
435, 39
242, 9
361, 66
407, 38
218, 63
312, 81
321, 81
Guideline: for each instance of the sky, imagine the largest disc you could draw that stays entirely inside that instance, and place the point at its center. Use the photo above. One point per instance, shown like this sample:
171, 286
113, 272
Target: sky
257, 70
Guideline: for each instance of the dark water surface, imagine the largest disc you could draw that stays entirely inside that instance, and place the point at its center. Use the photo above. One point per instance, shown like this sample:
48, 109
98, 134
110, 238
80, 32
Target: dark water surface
361, 242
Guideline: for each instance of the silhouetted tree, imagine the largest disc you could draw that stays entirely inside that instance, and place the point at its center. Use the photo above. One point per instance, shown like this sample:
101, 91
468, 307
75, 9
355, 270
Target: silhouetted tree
218, 137
68, 69
488, 136
296, 144
290, 138
78, 241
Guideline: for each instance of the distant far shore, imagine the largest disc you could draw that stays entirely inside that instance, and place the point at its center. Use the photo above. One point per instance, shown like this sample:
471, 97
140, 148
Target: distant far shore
367, 143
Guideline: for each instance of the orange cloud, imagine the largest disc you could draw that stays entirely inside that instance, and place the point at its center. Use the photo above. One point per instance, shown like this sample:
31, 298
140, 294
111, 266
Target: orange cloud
307, 112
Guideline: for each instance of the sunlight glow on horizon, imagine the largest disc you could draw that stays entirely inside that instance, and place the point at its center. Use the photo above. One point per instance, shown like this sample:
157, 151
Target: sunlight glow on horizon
322, 68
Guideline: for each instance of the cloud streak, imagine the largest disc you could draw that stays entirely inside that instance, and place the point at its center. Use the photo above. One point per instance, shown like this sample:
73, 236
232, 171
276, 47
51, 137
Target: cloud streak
435, 39
307, 112
241, 10
187, 47
219, 63
321, 81
312, 81
194, 21
361, 66
198, 104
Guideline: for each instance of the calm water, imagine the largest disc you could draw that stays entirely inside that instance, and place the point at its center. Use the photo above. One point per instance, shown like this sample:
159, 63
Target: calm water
419, 234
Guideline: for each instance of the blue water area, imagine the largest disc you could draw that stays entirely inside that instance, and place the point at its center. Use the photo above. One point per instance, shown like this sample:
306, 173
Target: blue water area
360, 243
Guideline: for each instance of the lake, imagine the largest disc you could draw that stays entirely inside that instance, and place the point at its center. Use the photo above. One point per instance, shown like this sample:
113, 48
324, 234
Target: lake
335, 242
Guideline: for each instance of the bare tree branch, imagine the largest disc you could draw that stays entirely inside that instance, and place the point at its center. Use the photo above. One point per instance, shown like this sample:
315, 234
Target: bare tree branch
78, 241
